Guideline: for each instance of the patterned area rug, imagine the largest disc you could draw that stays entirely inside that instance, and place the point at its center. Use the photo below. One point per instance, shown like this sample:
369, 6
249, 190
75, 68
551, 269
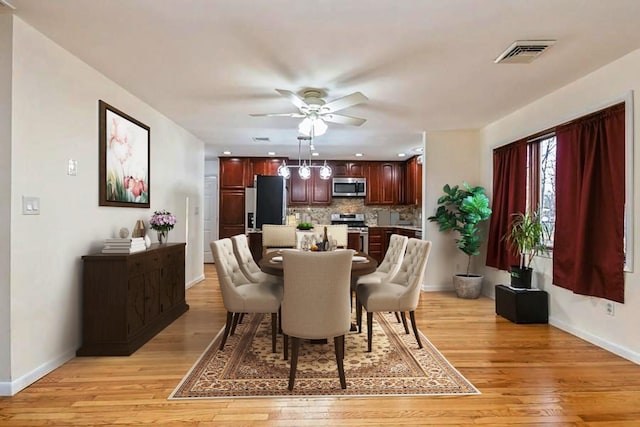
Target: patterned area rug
247, 367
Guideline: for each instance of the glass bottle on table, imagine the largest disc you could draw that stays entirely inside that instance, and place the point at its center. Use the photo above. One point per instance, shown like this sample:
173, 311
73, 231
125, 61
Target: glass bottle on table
325, 240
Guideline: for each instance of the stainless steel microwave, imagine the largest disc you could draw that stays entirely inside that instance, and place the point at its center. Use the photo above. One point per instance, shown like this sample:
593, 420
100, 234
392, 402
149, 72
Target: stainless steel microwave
349, 187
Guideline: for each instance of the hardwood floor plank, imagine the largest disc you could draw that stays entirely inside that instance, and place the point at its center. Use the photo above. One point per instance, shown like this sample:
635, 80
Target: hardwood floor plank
529, 375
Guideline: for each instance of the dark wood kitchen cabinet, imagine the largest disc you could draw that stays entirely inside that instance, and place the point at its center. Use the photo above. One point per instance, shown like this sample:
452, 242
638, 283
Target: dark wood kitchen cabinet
313, 191
413, 182
384, 180
128, 299
342, 168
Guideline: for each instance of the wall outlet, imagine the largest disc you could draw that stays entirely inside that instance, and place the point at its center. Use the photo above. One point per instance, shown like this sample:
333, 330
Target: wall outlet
610, 308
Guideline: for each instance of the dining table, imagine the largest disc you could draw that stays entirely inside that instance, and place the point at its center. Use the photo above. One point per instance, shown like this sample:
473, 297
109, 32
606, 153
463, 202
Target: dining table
363, 263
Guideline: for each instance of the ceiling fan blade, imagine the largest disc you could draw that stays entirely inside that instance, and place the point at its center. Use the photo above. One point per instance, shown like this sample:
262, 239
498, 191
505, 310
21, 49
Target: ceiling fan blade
343, 120
295, 99
298, 115
344, 102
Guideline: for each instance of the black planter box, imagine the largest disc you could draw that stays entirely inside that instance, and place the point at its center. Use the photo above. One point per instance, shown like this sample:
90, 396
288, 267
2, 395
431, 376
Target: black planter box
521, 277
522, 306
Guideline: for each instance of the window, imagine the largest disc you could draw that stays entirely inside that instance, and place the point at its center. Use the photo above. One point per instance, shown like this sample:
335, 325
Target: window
546, 196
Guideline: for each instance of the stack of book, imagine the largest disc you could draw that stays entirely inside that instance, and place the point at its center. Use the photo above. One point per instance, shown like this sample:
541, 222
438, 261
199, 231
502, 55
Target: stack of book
129, 245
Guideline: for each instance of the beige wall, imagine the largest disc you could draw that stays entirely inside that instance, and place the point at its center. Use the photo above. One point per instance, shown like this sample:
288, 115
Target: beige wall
450, 157
54, 119
580, 315
6, 37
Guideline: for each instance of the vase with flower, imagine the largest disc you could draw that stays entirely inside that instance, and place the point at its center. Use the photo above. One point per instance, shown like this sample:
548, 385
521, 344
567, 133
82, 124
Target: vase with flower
162, 221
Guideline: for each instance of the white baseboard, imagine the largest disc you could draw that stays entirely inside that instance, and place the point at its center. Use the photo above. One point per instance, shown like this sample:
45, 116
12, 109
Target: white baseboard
194, 281
436, 288
13, 387
595, 340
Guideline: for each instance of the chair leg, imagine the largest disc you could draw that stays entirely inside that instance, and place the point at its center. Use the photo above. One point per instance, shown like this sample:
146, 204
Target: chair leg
338, 343
227, 327
274, 331
241, 319
279, 320
404, 322
295, 344
415, 328
285, 345
359, 315
397, 316
369, 330
236, 317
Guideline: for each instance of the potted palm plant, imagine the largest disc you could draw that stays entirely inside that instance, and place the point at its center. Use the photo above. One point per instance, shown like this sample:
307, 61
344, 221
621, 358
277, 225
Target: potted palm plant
526, 236
461, 210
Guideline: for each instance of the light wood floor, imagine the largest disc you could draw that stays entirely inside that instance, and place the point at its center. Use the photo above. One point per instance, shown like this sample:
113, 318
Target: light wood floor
528, 375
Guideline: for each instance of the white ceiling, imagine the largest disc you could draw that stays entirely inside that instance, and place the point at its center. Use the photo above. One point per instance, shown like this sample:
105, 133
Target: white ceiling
425, 65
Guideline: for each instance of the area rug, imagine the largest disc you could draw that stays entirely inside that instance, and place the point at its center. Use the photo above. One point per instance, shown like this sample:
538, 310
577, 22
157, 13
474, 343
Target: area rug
396, 366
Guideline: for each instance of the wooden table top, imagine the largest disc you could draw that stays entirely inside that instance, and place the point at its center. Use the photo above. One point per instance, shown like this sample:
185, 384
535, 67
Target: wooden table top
357, 268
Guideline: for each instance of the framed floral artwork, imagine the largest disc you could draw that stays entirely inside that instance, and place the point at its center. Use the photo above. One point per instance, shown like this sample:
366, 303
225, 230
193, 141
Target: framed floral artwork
124, 159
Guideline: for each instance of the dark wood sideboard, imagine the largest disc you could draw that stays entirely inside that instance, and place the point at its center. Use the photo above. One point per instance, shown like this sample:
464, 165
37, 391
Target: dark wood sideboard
128, 299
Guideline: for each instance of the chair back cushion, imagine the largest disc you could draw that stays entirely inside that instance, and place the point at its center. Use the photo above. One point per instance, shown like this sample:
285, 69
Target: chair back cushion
245, 258
316, 302
229, 274
393, 257
411, 272
278, 236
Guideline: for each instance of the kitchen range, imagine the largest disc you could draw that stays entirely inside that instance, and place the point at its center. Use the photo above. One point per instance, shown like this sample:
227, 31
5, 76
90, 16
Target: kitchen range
355, 223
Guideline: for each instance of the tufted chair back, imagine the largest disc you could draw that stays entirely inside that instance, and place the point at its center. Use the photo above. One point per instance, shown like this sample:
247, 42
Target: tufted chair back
393, 257
229, 274
278, 236
411, 272
245, 258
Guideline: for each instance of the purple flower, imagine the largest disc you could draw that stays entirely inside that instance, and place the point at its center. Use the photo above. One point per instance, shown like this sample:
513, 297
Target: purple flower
162, 220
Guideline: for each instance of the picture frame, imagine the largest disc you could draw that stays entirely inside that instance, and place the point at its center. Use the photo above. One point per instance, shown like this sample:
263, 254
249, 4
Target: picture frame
124, 169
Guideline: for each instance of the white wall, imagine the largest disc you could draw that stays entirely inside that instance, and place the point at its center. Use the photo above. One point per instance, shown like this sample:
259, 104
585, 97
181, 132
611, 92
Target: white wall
580, 315
450, 157
5, 193
55, 118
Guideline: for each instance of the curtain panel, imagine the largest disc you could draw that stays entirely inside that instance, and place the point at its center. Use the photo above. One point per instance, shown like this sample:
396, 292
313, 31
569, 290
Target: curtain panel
588, 253
509, 197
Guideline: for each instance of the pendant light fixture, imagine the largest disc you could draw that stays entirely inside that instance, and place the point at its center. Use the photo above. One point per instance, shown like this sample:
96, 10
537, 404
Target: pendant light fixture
304, 169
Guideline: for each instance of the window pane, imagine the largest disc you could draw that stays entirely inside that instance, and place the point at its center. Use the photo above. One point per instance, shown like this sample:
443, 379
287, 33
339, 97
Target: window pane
548, 185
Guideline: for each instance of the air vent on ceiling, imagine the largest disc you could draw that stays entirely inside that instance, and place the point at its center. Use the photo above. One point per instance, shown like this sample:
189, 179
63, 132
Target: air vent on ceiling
523, 51
6, 6
261, 138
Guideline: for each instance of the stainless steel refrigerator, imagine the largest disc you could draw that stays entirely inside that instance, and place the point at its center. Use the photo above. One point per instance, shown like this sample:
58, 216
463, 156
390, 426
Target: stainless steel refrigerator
271, 200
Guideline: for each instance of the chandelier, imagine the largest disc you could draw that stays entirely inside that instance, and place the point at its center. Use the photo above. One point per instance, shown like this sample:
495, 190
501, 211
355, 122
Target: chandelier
304, 169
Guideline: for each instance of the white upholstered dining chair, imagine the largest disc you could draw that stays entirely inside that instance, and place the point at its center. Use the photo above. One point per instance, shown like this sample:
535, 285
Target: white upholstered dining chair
239, 294
401, 293
246, 263
316, 302
276, 237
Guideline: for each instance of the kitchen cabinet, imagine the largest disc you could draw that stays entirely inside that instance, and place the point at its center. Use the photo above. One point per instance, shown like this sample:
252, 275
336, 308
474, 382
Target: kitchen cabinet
235, 172
413, 182
384, 180
231, 218
264, 166
313, 191
128, 298
347, 169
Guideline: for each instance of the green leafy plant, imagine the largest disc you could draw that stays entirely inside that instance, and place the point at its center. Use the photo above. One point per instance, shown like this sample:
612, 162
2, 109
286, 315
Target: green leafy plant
461, 209
305, 226
526, 236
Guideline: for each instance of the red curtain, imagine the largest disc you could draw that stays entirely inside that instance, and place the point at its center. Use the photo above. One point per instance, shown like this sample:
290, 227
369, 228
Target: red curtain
509, 197
588, 253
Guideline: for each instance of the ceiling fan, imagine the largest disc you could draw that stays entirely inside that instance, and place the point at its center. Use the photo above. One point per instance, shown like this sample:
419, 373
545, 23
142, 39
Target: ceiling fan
315, 111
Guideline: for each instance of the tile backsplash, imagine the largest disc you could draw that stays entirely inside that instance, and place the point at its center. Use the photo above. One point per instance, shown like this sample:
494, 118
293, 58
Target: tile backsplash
408, 215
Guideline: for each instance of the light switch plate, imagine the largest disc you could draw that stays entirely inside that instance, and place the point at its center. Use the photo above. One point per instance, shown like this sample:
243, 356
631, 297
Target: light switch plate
30, 205
72, 167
